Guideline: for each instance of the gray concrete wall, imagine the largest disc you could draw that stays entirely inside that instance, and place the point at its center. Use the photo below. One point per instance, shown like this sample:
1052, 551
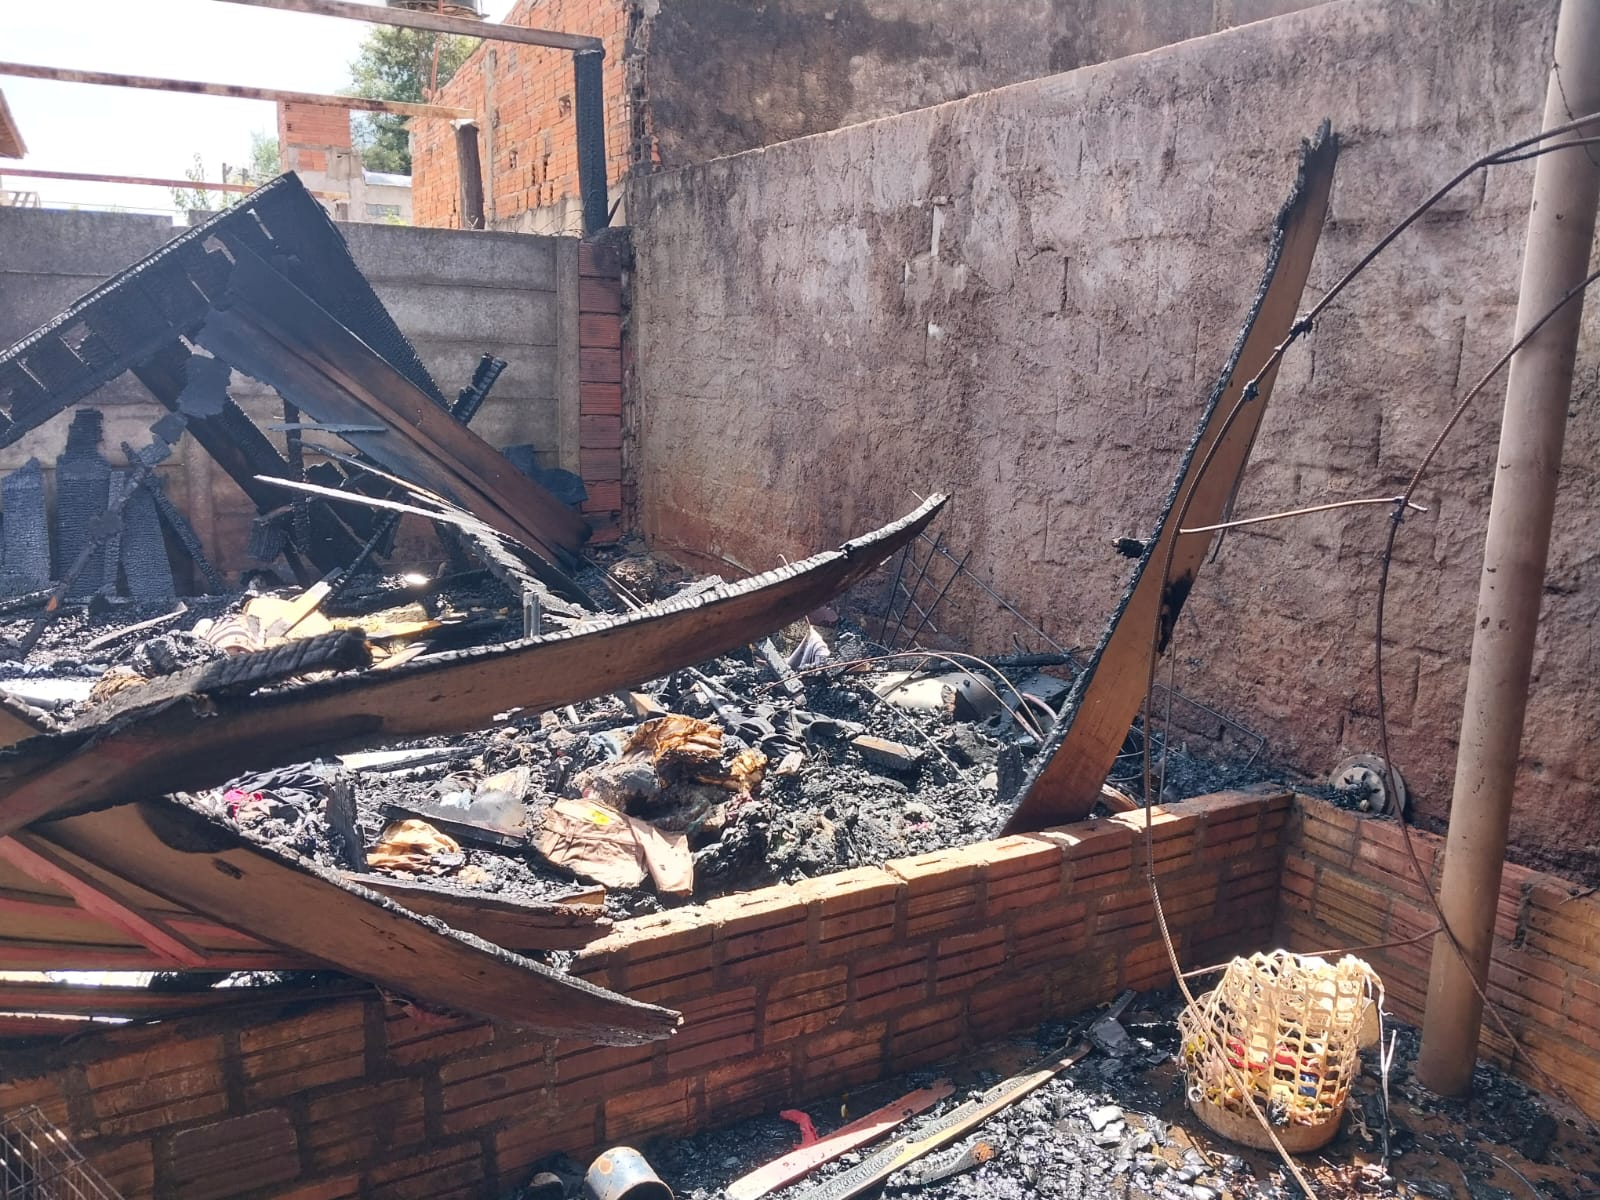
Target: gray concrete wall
455, 295
722, 76
1025, 296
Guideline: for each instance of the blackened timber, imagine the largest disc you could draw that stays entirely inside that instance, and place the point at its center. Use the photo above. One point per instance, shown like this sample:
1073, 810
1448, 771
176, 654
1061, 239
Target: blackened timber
237, 446
1065, 781
275, 332
192, 859
184, 746
513, 924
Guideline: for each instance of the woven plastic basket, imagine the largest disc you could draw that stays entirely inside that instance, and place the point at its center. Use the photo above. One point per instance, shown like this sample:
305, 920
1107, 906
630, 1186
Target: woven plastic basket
1286, 1029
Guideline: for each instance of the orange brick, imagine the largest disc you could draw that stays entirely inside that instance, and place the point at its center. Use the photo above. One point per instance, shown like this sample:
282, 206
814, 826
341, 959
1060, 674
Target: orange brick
411, 1040
454, 1170
748, 1083
345, 1128
664, 1108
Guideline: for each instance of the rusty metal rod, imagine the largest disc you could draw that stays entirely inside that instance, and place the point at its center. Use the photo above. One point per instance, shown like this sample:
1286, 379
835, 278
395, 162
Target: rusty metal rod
1560, 237
146, 181
379, 15
232, 91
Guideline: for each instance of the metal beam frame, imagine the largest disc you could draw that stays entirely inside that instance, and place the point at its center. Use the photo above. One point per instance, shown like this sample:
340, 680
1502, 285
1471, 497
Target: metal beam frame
146, 181
232, 91
378, 15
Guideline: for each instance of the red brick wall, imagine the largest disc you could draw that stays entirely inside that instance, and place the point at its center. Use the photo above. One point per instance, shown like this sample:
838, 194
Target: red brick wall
788, 994
307, 131
601, 354
1347, 881
527, 113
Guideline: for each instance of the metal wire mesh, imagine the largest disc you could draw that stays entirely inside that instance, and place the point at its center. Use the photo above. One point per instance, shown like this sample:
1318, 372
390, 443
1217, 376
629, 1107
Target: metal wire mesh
38, 1162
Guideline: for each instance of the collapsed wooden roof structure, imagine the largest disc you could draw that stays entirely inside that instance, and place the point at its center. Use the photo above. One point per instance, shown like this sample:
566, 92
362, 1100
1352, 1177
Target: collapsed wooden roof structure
100, 866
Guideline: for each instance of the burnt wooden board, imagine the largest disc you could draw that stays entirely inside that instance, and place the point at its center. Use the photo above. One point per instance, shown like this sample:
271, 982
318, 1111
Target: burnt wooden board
273, 331
1065, 781
199, 742
168, 848
515, 925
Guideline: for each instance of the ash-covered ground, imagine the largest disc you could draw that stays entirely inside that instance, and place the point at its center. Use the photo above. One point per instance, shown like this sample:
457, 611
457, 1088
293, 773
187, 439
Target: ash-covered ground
821, 802
1120, 1127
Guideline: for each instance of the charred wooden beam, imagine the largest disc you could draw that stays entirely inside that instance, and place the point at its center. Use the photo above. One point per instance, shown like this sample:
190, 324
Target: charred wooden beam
1065, 781
173, 746
191, 859
273, 331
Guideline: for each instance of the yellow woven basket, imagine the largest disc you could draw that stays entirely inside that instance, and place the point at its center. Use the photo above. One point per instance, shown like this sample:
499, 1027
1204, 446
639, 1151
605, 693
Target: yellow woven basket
1285, 1030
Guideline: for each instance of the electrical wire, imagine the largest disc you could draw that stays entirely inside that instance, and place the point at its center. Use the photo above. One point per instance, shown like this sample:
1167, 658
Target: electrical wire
1249, 394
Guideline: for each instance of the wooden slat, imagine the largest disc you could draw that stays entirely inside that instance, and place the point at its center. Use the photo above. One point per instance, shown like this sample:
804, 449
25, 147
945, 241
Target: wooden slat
508, 923
192, 860
1065, 781
45, 863
174, 748
93, 1000
20, 954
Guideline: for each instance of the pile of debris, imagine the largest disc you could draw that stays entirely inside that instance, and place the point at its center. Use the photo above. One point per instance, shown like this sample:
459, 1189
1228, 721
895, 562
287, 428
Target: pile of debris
1116, 1123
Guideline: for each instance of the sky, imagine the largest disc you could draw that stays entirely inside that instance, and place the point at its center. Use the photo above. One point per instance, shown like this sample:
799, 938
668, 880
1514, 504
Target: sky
127, 131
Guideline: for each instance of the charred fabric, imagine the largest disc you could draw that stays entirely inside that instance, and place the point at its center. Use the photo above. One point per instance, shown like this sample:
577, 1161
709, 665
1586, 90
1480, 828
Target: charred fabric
633, 738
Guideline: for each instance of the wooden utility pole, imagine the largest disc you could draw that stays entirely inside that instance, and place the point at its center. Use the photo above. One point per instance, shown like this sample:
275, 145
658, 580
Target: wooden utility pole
232, 91
1566, 187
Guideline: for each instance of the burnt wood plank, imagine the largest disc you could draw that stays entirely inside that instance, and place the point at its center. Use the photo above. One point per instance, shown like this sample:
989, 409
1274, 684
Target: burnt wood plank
1065, 782
184, 745
191, 859
511, 924
443, 454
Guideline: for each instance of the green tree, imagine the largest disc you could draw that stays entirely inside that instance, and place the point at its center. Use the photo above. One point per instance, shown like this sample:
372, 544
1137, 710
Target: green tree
195, 199
398, 64
262, 167
263, 160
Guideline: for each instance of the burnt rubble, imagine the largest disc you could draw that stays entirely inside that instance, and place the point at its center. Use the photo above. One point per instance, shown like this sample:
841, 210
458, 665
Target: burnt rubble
1117, 1124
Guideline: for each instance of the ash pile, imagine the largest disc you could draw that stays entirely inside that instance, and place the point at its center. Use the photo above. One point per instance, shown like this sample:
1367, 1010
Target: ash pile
1115, 1122
805, 753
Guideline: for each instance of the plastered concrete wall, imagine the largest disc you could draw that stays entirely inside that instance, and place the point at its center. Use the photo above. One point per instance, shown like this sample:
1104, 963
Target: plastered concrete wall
1025, 296
456, 296
722, 76
691, 80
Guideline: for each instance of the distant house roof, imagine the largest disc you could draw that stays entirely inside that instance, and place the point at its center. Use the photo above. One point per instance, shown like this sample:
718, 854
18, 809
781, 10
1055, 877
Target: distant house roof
384, 179
10, 136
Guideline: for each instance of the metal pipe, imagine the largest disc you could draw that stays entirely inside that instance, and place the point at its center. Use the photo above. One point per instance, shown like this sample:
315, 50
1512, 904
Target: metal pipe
146, 181
1561, 223
589, 114
231, 91
375, 14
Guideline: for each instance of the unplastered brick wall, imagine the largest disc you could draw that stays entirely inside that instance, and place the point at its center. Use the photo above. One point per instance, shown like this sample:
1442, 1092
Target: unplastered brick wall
528, 141
1349, 882
601, 356
306, 132
788, 994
